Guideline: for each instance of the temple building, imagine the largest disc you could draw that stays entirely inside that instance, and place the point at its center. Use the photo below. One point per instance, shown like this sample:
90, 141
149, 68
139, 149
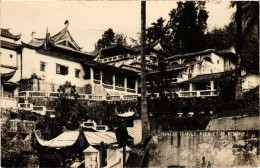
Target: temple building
58, 58
126, 57
197, 74
10, 66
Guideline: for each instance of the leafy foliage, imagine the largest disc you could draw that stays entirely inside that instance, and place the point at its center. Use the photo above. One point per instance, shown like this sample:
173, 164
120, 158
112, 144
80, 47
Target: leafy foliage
110, 37
185, 30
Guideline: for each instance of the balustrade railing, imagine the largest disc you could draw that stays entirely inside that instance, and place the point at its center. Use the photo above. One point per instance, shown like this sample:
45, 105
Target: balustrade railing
130, 90
96, 81
28, 106
113, 98
93, 97
25, 106
197, 93
130, 97
107, 86
119, 88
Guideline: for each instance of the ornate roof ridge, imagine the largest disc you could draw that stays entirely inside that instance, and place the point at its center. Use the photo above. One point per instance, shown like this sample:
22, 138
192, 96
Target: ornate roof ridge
6, 33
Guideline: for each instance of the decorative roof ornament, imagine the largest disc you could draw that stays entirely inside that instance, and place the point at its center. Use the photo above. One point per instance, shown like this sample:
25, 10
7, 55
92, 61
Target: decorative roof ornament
66, 22
33, 33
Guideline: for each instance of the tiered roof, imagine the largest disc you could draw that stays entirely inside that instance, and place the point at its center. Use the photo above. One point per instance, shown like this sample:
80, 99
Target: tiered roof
62, 43
6, 33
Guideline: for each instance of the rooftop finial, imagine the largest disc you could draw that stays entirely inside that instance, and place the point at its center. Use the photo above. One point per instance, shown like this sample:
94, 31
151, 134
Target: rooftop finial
33, 34
66, 22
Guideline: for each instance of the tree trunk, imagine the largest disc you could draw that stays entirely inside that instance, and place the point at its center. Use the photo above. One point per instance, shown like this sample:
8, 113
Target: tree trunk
144, 113
239, 94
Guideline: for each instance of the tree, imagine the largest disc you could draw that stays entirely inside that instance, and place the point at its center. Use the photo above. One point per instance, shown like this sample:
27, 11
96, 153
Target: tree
110, 37
144, 112
221, 38
107, 38
186, 28
246, 18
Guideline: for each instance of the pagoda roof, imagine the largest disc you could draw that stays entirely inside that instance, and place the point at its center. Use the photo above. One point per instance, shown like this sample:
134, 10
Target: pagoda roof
7, 76
6, 33
62, 41
9, 45
69, 138
117, 49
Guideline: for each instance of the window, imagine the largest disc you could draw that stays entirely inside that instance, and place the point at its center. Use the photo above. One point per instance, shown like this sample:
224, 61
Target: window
11, 55
77, 71
42, 66
61, 69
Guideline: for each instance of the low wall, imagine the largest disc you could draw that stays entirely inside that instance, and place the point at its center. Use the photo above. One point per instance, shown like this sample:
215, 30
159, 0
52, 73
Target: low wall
234, 123
205, 148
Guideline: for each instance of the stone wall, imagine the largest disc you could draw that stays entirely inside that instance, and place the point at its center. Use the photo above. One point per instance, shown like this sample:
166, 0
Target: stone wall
205, 148
234, 123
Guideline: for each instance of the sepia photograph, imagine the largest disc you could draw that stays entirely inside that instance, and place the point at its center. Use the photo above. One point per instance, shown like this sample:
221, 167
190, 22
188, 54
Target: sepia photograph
129, 84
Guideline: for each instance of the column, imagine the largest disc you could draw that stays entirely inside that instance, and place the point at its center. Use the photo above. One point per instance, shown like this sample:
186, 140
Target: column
114, 81
92, 80
212, 87
136, 86
125, 83
190, 87
91, 76
180, 61
2, 90
101, 77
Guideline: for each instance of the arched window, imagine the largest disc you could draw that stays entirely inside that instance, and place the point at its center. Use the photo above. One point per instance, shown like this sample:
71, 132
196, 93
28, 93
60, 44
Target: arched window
207, 59
174, 63
189, 60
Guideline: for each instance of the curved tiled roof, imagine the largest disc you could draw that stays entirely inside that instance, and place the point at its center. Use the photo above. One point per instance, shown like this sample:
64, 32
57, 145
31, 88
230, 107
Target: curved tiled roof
6, 76
7, 34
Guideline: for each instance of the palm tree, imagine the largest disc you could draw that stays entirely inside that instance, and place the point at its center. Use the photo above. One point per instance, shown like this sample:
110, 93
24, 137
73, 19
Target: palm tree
144, 113
246, 18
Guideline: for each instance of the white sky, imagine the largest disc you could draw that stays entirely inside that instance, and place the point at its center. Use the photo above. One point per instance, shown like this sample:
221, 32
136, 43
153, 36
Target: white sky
89, 19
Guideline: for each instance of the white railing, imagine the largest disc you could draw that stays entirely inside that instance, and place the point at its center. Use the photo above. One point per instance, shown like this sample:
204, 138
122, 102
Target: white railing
93, 97
197, 93
113, 98
7, 102
25, 106
114, 58
130, 97
39, 109
95, 81
107, 86
130, 90
118, 88
188, 94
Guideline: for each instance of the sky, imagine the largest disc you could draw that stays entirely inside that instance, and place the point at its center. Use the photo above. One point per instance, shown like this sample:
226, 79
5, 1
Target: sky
89, 19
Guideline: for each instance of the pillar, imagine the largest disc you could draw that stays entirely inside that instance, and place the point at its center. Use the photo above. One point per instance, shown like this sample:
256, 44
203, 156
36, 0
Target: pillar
190, 87
180, 61
91, 76
101, 77
92, 80
212, 85
136, 86
125, 83
127, 153
114, 81
2, 90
